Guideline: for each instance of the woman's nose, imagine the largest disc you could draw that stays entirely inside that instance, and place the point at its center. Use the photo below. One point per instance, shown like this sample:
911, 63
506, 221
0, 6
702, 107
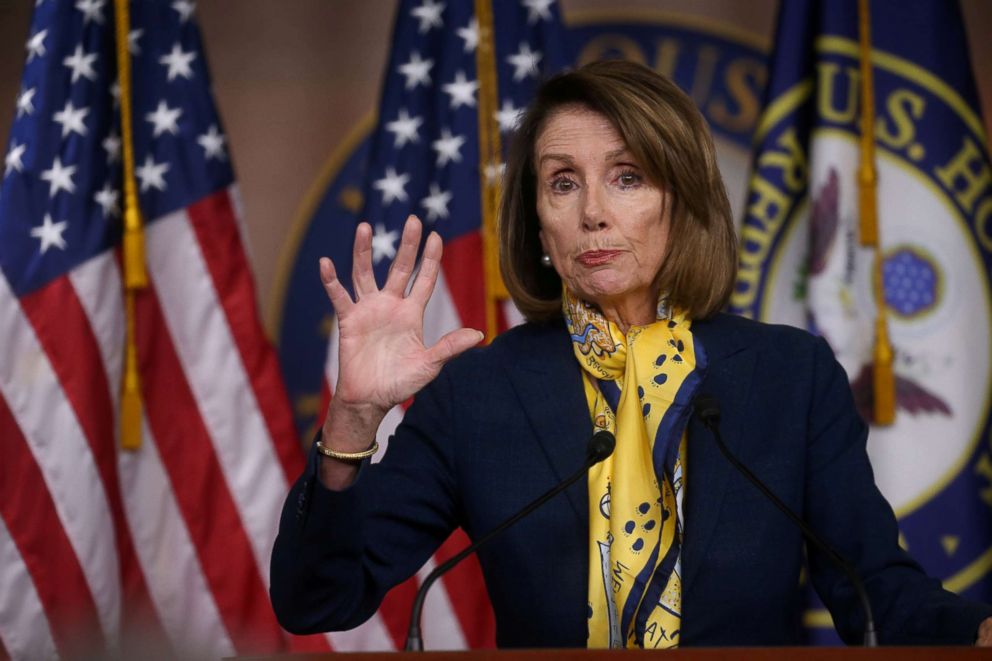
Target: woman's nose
593, 213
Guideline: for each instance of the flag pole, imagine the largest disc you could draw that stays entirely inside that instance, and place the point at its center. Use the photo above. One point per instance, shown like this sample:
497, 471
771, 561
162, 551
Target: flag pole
135, 276
883, 376
490, 157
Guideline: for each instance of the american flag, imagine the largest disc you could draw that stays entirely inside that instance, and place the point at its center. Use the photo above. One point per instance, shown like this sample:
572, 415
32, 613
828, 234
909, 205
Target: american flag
171, 542
425, 160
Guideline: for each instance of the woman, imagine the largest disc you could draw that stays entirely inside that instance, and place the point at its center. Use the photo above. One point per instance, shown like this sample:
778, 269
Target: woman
618, 246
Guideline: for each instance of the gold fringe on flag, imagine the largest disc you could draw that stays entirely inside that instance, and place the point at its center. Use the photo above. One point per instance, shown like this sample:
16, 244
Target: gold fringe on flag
135, 277
884, 379
490, 160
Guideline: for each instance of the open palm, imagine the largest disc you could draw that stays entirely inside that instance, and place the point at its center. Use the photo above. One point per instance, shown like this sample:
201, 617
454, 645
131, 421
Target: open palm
382, 357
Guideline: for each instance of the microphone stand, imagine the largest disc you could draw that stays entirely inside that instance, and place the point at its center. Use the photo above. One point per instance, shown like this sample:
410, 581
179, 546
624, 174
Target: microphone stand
708, 411
600, 446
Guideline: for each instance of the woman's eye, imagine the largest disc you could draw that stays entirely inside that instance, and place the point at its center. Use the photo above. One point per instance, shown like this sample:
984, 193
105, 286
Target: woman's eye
628, 179
562, 185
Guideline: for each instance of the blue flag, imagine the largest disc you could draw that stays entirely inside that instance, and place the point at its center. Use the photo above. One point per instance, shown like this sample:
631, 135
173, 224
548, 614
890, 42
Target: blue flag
802, 261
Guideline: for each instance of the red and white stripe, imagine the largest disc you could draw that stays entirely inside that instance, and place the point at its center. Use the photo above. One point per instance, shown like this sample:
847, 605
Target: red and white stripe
170, 543
28, 630
456, 614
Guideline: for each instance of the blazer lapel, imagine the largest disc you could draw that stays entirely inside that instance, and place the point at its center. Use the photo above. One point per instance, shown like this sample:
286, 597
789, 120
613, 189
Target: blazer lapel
552, 397
728, 379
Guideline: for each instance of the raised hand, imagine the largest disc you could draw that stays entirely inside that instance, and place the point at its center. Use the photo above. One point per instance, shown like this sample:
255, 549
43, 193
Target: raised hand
382, 357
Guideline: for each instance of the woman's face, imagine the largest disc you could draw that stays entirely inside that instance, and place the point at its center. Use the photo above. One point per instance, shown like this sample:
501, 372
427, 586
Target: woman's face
603, 223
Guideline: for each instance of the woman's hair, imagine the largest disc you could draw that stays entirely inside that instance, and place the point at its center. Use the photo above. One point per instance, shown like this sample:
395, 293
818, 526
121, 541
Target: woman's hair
670, 141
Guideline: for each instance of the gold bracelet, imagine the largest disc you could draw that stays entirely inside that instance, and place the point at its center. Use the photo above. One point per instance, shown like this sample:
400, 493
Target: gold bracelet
347, 456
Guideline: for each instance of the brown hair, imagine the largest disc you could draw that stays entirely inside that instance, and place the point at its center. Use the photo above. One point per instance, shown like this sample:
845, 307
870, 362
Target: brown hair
669, 138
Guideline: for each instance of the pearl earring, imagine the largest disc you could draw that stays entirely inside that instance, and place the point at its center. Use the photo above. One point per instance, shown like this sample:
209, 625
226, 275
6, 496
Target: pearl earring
546, 261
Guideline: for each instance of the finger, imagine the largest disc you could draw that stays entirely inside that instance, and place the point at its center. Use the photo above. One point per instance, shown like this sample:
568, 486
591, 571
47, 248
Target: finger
453, 344
406, 258
430, 265
339, 296
362, 276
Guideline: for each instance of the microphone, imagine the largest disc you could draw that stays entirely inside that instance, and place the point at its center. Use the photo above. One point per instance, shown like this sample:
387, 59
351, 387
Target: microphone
707, 409
599, 447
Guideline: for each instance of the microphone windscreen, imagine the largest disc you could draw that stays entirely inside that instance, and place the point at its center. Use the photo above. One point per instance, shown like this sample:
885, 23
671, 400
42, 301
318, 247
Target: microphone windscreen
600, 446
707, 408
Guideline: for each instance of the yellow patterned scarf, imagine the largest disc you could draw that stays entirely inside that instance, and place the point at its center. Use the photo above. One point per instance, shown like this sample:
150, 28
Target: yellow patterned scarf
635, 525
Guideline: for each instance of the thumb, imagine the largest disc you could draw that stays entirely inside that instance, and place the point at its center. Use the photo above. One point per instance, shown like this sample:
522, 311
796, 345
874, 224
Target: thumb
453, 344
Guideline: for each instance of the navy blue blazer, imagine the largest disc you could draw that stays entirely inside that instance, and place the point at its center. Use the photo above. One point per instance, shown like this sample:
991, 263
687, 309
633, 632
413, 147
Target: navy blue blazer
502, 424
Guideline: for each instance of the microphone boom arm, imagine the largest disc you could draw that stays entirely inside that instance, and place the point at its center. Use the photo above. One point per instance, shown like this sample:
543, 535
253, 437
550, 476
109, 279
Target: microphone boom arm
600, 446
708, 411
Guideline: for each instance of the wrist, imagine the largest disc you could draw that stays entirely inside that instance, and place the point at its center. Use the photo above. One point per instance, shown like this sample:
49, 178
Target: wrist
350, 428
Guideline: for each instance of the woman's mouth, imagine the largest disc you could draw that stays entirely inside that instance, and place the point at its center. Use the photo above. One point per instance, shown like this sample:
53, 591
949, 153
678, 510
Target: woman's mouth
597, 257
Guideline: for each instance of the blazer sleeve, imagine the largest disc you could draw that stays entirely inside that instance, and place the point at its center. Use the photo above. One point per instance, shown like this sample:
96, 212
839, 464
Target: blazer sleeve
338, 552
845, 505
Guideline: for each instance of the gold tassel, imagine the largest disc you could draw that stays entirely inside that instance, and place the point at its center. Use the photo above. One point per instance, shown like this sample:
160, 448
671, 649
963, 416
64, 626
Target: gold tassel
883, 382
135, 275
868, 212
490, 157
131, 387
